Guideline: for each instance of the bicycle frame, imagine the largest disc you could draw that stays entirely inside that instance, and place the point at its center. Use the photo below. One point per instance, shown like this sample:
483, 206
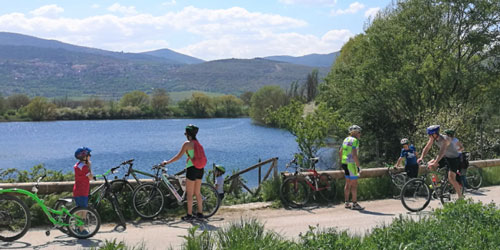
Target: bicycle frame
134, 172
48, 211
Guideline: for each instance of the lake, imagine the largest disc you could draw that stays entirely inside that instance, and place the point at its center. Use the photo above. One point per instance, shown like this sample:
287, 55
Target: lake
234, 143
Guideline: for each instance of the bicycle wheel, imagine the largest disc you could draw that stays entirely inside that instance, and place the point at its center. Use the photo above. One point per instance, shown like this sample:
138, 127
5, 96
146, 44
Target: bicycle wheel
326, 187
15, 219
294, 192
148, 200
415, 195
474, 177
68, 203
210, 200
84, 222
123, 191
399, 180
448, 193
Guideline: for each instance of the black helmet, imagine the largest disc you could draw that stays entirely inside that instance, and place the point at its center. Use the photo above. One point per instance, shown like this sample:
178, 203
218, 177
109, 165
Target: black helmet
450, 132
191, 130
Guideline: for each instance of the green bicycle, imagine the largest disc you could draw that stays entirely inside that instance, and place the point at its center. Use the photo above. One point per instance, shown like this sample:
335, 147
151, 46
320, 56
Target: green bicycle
15, 217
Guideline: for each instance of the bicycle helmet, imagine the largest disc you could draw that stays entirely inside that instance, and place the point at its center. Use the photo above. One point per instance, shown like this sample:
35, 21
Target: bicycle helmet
404, 141
82, 152
354, 128
191, 130
220, 168
450, 132
433, 129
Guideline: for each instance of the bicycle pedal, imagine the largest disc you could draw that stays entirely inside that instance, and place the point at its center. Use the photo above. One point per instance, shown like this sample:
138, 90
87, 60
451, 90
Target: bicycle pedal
47, 233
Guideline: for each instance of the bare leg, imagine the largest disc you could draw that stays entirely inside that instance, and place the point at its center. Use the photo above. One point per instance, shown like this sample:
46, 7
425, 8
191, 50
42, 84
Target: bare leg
189, 195
347, 189
197, 192
452, 178
354, 190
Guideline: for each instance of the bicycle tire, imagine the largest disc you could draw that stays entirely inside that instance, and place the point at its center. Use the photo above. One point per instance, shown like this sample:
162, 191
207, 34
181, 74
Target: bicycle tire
474, 177
69, 205
448, 193
399, 180
327, 187
92, 222
148, 200
294, 192
211, 201
415, 195
14, 215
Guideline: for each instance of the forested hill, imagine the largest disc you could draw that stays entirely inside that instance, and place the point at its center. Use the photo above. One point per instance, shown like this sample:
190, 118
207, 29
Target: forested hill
50, 68
312, 60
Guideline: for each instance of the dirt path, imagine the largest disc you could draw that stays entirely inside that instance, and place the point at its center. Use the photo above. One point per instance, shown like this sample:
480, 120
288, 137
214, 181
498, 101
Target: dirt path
289, 223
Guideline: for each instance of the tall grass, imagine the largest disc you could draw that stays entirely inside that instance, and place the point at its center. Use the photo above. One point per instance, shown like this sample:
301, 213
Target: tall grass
460, 225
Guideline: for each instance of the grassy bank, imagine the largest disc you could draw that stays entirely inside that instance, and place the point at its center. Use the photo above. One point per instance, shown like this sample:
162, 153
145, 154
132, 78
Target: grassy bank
460, 225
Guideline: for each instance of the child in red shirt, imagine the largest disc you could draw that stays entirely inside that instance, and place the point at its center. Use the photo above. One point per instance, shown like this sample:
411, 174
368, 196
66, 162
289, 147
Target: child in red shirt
83, 175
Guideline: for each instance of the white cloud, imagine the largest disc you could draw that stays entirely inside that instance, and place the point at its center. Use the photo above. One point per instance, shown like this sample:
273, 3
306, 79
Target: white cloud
47, 10
309, 2
371, 12
126, 10
353, 8
171, 2
212, 33
95, 6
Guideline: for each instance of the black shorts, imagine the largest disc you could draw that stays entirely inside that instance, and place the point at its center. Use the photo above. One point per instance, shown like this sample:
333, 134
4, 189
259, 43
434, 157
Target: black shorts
193, 174
411, 170
452, 163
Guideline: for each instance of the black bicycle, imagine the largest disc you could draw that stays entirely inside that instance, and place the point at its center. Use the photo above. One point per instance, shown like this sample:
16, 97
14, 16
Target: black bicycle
113, 192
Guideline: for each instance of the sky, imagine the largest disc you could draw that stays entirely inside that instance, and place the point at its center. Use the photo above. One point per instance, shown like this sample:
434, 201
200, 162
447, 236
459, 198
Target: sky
206, 29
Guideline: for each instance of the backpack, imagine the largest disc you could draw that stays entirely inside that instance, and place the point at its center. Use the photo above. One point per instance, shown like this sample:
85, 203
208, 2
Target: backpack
199, 160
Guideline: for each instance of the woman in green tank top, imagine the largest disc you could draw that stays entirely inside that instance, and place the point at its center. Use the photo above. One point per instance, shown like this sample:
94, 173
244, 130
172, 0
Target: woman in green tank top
194, 175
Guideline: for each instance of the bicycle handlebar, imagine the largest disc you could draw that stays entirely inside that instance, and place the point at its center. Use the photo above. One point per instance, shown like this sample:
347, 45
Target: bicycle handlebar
127, 162
112, 171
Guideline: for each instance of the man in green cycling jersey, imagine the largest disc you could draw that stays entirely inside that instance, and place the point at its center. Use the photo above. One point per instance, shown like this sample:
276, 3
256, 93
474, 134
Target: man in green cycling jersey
348, 154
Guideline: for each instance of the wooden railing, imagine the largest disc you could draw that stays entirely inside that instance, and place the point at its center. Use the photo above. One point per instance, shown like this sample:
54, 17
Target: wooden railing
67, 186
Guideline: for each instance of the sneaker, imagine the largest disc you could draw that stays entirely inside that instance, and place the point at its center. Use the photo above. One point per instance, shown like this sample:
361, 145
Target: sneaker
187, 218
200, 216
356, 206
84, 232
347, 205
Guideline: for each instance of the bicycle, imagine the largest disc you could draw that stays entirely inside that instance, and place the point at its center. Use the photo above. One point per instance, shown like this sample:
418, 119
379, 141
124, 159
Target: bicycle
473, 175
398, 178
15, 217
110, 191
148, 199
294, 190
416, 194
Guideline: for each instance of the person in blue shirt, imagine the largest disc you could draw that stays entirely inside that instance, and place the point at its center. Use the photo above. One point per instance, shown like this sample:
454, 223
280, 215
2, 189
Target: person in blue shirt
410, 154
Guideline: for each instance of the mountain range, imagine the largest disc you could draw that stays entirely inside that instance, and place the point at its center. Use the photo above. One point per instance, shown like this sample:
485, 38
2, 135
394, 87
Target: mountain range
52, 68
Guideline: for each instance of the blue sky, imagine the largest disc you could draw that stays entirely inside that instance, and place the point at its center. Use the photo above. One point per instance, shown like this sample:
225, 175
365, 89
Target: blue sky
207, 29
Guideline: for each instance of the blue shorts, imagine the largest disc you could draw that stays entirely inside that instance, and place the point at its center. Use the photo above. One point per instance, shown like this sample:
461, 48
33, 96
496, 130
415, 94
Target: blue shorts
82, 201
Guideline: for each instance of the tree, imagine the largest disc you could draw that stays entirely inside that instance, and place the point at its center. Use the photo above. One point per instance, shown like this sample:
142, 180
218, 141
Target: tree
310, 130
265, 100
135, 99
159, 102
228, 106
311, 87
418, 59
40, 109
199, 105
2, 104
17, 101
246, 97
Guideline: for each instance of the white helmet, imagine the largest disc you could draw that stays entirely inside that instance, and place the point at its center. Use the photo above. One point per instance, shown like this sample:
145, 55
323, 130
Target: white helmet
354, 128
404, 141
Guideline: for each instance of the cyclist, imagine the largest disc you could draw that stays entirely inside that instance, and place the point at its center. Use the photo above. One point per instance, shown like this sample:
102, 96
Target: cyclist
448, 155
348, 154
194, 175
83, 175
460, 148
410, 154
